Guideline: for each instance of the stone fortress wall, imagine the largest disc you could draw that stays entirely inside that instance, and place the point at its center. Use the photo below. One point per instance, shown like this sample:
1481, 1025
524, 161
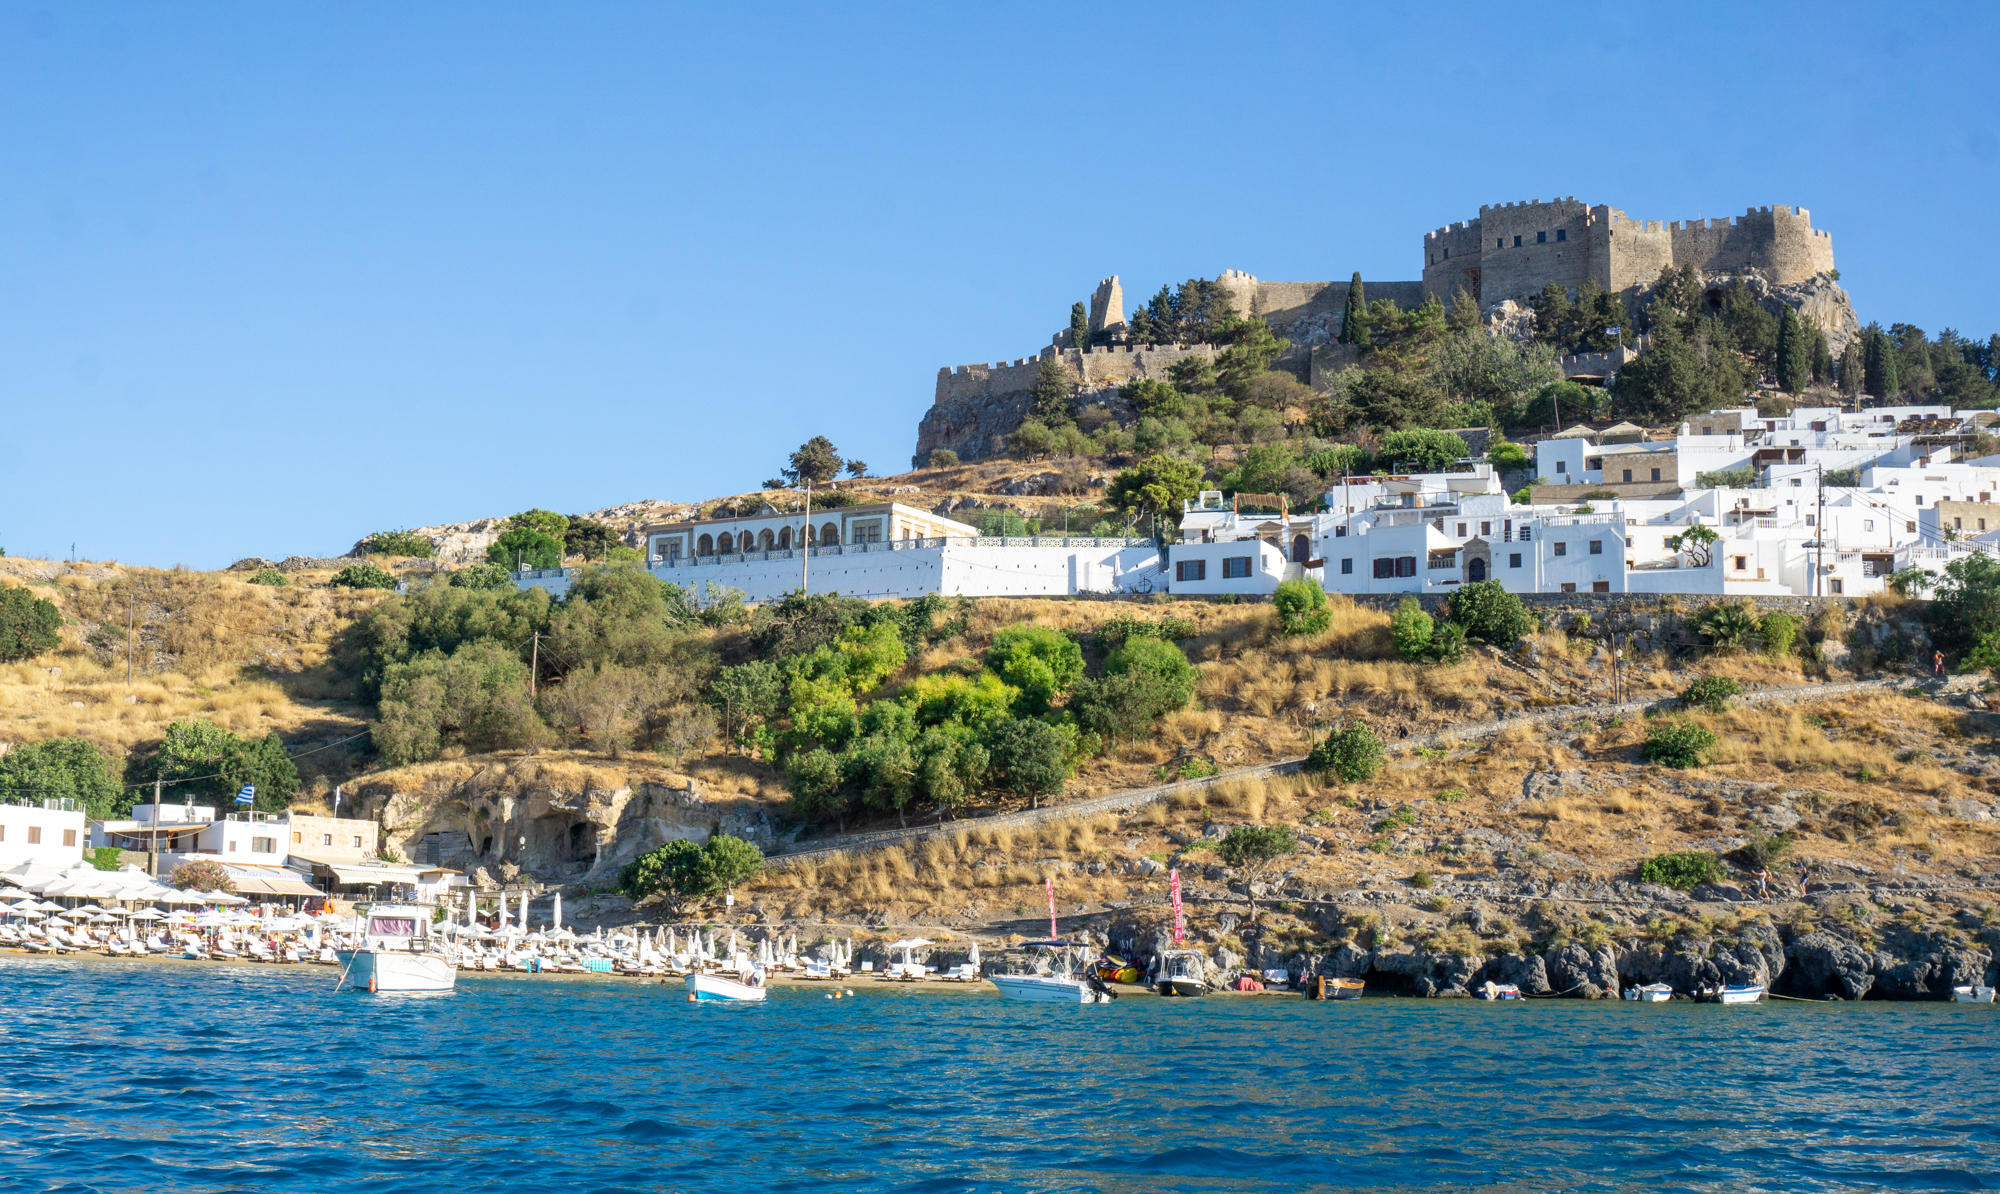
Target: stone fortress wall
1510, 251
1513, 249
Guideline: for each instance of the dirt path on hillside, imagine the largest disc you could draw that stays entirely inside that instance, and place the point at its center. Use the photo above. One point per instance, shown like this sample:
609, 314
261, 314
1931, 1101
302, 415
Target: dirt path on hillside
1133, 799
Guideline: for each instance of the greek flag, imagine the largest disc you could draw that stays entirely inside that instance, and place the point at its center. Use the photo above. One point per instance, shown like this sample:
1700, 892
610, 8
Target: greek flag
248, 795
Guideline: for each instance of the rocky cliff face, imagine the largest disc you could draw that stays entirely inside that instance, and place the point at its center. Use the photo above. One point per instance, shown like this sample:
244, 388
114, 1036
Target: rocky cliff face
1843, 962
560, 826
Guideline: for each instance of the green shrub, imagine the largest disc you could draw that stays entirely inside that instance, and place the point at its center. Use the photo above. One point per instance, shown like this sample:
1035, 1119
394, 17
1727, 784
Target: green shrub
941, 458
1118, 631
1680, 871
1411, 630
1780, 630
29, 625
1763, 849
1301, 607
1192, 767
269, 576
1729, 625
1451, 795
1422, 881
481, 576
362, 576
1044, 663
1489, 613
1678, 744
397, 543
1162, 661
1351, 754
1712, 692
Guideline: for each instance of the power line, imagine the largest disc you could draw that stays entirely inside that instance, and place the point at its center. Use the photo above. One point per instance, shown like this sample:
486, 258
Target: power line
188, 779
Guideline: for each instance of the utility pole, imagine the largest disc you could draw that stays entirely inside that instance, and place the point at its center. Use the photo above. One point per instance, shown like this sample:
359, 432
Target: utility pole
153, 838
1820, 526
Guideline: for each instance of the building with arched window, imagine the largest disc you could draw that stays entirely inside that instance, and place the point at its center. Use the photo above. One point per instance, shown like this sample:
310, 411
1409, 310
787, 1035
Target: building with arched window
769, 531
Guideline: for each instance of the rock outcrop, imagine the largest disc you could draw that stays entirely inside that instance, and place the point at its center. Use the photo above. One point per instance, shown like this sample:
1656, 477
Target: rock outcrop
558, 828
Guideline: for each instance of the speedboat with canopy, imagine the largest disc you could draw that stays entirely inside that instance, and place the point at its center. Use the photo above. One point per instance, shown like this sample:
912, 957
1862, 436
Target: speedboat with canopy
398, 952
1066, 987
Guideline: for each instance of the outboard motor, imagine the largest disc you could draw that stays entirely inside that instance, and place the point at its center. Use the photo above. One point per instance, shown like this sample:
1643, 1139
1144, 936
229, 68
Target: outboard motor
1097, 985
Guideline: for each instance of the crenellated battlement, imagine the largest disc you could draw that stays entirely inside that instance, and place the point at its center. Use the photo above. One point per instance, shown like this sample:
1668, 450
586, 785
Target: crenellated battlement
1514, 249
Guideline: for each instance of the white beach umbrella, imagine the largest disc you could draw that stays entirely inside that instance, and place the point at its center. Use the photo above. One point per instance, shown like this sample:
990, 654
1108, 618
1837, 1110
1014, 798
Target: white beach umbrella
524, 908
972, 955
147, 914
555, 912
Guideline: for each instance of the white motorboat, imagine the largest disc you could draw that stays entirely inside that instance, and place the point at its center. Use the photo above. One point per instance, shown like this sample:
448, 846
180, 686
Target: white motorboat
1181, 973
1052, 988
1048, 988
1650, 993
713, 987
1746, 993
398, 952
1976, 993
1493, 990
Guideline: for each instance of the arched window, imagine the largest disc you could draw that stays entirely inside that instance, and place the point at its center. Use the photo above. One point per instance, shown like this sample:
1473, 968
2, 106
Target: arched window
784, 538
829, 535
705, 546
766, 542
1476, 570
725, 545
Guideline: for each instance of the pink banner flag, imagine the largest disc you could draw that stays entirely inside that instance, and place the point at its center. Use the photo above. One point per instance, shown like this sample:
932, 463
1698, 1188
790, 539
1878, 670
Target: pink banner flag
1179, 923
1052, 907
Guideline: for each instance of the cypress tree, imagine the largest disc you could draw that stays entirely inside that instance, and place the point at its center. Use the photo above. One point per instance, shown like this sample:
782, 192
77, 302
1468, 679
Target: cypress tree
1794, 353
1079, 327
1822, 360
1878, 364
1354, 320
1850, 369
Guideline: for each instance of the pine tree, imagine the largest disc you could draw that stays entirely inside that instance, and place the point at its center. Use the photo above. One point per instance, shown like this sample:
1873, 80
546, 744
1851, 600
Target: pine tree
1079, 326
1054, 385
1464, 315
1354, 320
1794, 353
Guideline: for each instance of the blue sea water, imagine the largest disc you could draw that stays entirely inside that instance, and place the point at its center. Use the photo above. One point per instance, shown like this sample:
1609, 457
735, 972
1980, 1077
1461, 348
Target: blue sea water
130, 1076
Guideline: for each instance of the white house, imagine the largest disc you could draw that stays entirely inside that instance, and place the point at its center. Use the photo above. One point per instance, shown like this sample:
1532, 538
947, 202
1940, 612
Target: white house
42, 831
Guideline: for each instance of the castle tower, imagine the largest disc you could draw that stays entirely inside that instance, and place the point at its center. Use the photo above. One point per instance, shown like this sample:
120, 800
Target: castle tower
1107, 307
1242, 290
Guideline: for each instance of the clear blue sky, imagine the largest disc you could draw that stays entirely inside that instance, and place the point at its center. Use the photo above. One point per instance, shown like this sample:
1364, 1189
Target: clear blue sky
275, 276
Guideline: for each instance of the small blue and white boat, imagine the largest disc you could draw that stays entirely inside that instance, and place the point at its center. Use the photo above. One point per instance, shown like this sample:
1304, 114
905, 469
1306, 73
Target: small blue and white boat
706, 987
1650, 993
1748, 993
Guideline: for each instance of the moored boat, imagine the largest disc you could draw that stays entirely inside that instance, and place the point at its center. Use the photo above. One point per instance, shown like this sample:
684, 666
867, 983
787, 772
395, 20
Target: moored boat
1743, 993
704, 988
1493, 990
1650, 993
398, 953
1976, 993
1052, 988
1181, 973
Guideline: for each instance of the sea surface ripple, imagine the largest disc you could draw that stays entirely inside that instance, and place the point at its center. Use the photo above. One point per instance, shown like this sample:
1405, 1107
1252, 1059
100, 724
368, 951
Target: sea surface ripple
138, 1076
